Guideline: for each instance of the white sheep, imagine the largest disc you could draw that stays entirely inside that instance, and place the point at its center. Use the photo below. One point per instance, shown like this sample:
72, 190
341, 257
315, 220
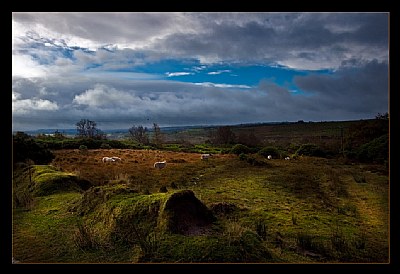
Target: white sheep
108, 159
116, 158
287, 158
269, 157
160, 165
205, 156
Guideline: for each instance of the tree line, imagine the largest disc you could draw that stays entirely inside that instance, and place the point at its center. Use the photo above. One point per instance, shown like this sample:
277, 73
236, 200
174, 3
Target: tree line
140, 134
367, 141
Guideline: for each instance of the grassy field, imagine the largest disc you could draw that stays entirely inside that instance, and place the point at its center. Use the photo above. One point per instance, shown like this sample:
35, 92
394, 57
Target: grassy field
308, 210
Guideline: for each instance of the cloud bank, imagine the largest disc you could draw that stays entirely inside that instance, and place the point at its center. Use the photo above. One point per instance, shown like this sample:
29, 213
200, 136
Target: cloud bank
120, 69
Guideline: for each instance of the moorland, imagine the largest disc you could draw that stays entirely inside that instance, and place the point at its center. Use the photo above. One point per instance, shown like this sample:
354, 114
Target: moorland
322, 198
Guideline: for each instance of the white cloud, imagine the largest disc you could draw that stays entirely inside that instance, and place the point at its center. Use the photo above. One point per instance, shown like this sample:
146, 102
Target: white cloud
102, 95
219, 72
173, 74
209, 84
199, 68
15, 96
24, 66
27, 105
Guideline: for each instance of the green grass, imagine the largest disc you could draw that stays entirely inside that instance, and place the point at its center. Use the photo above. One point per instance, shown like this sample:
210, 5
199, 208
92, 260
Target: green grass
46, 234
305, 210
305, 190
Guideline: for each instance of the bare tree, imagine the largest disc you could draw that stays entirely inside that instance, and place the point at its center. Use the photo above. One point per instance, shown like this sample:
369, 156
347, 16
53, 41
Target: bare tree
223, 135
139, 134
158, 138
87, 129
248, 139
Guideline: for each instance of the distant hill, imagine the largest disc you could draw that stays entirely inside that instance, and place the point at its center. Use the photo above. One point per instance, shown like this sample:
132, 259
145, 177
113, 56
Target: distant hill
267, 132
72, 131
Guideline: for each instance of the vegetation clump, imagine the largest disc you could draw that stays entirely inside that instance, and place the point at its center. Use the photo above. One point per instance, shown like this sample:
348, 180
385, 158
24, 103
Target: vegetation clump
25, 148
239, 149
375, 151
269, 150
310, 150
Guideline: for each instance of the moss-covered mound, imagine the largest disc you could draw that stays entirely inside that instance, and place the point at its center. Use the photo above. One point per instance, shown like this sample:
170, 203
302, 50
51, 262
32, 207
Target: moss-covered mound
42, 180
97, 195
48, 180
118, 214
163, 227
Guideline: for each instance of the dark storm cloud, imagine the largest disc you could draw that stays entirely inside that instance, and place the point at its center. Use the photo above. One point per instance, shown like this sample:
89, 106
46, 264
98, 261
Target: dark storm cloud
359, 90
335, 37
348, 94
285, 38
69, 66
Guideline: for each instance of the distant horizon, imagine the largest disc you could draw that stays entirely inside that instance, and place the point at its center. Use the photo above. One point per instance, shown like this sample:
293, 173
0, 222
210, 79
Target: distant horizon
48, 130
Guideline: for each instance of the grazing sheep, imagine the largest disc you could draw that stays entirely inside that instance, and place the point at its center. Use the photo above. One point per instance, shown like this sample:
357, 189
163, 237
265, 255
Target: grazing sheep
205, 156
108, 159
116, 158
287, 158
160, 165
269, 157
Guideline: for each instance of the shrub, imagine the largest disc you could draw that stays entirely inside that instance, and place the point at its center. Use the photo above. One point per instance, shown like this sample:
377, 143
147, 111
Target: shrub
105, 146
293, 148
375, 151
117, 144
274, 152
239, 149
25, 148
83, 147
310, 150
242, 157
90, 143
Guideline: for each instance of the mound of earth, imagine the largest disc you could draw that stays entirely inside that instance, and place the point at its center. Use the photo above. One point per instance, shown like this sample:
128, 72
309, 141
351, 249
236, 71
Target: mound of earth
120, 215
98, 195
185, 214
42, 180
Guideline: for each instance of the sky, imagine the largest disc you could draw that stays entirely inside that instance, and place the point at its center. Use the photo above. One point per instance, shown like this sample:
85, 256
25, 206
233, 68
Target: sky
212, 68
